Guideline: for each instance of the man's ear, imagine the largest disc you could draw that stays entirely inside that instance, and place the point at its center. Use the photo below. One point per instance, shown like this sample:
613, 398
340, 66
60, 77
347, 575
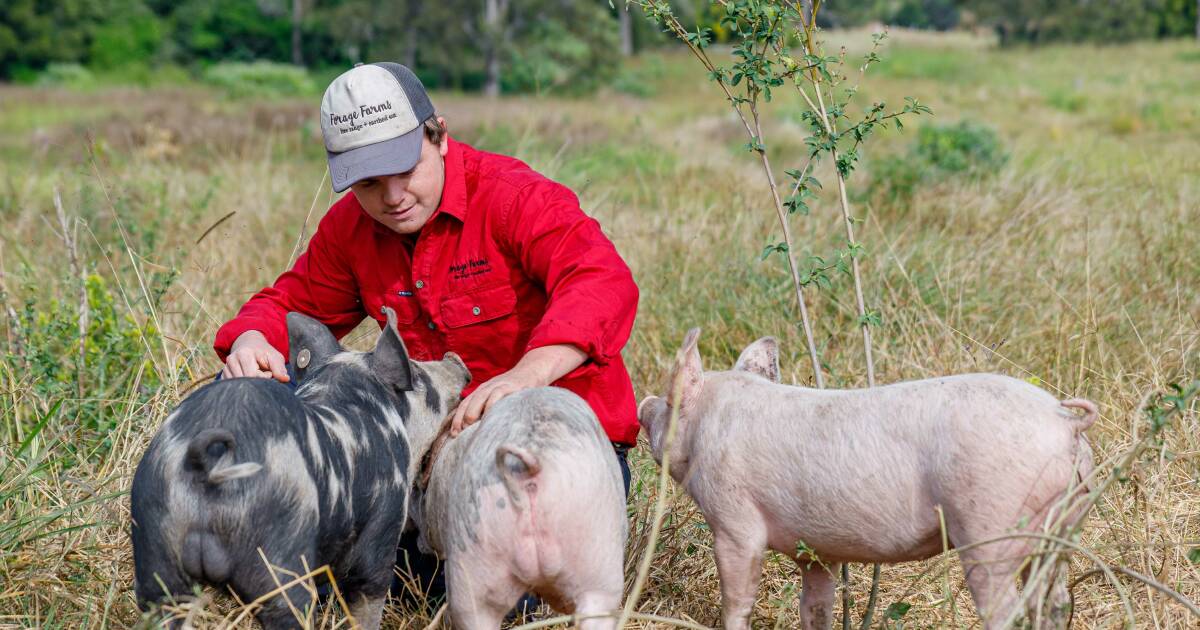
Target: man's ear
444, 146
761, 358
687, 378
389, 360
310, 344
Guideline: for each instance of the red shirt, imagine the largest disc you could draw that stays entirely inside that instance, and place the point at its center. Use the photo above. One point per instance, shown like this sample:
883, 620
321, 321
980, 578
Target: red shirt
507, 263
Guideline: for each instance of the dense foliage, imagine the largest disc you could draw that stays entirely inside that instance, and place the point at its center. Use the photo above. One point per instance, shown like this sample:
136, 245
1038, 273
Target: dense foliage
1111, 21
1022, 21
540, 43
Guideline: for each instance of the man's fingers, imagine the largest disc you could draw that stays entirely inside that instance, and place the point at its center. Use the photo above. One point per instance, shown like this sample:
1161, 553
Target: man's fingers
476, 402
248, 364
494, 397
262, 365
275, 364
456, 420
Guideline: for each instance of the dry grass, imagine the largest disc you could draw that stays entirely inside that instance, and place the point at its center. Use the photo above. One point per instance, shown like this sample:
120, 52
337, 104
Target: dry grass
1075, 264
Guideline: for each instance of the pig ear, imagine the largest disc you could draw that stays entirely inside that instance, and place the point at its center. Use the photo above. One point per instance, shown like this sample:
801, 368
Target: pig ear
645, 401
389, 359
310, 344
687, 378
761, 358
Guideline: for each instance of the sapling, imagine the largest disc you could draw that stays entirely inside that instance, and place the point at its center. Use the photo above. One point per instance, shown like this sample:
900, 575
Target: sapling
777, 44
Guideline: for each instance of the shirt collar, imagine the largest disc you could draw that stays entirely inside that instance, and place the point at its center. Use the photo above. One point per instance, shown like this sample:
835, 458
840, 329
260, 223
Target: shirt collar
454, 190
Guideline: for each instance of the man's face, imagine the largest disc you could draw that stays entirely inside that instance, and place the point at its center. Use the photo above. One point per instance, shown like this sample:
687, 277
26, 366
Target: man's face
405, 201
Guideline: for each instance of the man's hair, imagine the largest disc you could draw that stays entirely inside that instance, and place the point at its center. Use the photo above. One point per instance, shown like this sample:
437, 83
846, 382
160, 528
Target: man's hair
434, 130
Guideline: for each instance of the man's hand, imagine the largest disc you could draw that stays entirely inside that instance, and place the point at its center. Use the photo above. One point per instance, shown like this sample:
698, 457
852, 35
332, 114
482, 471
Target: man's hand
538, 368
252, 355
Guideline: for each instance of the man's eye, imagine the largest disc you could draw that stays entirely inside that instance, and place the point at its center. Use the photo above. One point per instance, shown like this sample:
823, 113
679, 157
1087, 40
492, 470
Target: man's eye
367, 183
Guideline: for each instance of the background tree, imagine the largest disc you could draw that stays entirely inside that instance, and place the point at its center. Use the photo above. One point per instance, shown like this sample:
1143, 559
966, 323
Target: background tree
494, 45
494, 32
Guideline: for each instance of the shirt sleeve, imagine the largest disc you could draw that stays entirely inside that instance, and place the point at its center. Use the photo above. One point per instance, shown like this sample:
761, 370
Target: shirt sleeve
320, 285
591, 295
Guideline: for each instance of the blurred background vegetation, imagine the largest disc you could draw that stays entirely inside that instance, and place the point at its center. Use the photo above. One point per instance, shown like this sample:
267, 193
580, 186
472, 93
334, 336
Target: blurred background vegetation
496, 45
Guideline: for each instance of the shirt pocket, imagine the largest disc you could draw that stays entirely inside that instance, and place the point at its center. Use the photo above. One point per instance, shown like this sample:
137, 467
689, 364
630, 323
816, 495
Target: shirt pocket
478, 306
406, 307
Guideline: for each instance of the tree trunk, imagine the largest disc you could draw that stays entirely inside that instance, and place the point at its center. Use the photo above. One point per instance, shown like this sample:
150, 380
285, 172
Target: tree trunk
297, 15
411, 15
627, 30
493, 27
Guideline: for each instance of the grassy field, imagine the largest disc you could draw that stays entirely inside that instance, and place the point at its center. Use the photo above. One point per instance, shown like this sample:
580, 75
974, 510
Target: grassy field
1074, 264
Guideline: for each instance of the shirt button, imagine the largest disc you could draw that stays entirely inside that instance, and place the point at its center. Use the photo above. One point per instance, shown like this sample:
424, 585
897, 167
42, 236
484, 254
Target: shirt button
420, 284
432, 326
475, 311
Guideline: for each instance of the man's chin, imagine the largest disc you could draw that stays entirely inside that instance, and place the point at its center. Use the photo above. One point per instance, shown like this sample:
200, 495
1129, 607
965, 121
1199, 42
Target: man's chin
406, 225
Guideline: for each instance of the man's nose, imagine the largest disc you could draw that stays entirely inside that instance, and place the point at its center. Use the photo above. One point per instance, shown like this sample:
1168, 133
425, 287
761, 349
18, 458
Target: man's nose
394, 187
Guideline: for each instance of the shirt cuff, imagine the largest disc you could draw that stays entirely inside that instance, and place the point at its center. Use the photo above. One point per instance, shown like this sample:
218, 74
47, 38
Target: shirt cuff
559, 332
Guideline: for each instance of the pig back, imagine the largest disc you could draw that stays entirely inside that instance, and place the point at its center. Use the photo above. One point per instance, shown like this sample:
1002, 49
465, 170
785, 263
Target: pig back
808, 461
557, 428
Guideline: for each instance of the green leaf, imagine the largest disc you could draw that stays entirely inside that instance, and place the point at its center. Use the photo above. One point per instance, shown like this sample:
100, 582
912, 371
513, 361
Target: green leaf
780, 247
871, 318
795, 203
803, 549
1193, 556
896, 610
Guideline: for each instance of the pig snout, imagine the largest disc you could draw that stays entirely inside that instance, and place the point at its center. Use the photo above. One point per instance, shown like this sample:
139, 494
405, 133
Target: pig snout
460, 366
644, 410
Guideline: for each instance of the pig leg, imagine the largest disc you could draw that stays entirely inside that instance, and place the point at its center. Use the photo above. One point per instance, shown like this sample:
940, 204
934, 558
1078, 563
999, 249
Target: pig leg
739, 565
597, 579
991, 572
600, 592
376, 569
368, 611
816, 596
275, 614
287, 606
479, 599
598, 603
1050, 606
1059, 600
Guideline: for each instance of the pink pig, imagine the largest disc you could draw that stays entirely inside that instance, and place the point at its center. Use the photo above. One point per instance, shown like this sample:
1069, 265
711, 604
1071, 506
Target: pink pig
859, 475
530, 499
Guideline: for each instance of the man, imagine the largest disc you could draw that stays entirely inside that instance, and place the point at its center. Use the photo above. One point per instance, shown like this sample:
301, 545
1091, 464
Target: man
475, 252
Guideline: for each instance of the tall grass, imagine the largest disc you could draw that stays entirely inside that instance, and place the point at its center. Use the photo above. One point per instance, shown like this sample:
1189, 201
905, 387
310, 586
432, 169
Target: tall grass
1072, 264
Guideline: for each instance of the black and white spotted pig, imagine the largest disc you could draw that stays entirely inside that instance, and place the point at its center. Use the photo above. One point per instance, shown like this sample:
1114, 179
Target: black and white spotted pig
312, 477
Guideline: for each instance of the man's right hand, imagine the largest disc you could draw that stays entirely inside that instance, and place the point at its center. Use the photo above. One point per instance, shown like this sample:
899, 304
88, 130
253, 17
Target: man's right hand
252, 355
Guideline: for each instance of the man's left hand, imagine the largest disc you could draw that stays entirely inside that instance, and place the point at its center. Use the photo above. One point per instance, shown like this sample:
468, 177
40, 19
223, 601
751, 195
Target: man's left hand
538, 368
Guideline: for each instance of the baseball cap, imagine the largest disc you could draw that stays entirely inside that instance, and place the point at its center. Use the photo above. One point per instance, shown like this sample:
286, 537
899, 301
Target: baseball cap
372, 117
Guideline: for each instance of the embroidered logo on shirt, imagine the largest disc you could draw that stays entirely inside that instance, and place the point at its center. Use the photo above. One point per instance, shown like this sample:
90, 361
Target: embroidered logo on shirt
472, 267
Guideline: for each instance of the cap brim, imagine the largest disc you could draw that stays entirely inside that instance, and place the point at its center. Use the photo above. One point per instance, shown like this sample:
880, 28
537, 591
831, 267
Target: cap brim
390, 157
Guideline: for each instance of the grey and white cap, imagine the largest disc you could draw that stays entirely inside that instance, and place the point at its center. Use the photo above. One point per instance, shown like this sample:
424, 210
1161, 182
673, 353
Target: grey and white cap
372, 117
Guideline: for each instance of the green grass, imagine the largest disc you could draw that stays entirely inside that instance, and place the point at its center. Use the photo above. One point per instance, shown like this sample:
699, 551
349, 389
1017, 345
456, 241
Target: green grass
1073, 262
